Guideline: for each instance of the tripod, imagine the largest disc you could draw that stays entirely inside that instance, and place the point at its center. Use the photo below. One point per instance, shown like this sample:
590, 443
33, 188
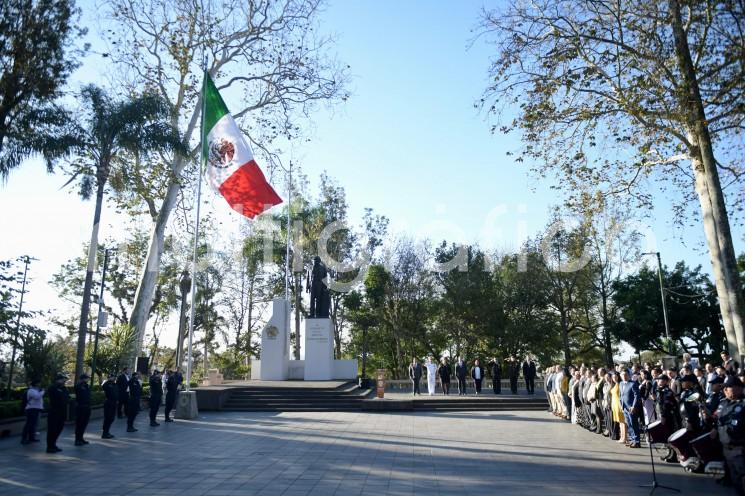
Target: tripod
654, 485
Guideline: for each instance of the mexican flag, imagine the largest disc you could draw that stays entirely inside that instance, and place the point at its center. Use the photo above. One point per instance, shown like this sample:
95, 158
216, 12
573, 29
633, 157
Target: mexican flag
231, 168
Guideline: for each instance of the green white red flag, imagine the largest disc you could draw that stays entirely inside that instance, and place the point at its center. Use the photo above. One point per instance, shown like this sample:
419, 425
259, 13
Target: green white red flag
231, 168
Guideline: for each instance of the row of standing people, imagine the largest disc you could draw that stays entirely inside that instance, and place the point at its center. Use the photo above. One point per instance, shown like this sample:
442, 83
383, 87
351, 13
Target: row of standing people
685, 403
122, 393
476, 372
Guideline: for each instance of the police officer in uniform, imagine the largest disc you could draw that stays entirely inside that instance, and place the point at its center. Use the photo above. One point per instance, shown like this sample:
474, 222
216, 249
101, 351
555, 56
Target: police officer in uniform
496, 375
111, 390
58, 401
730, 422
123, 383
690, 403
133, 405
713, 401
514, 371
171, 394
82, 409
156, 396
666, 405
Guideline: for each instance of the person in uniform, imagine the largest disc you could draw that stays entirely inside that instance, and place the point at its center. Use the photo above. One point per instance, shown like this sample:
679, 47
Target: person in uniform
82, 409
133, 404
111, 391
496, 375
444, 373
690, 403
730, 429
477, 374
529, 372
514, 374
461, 372
59, 399
666, 404
156, 396
729, 364
431, 367
415, 374
123, 383
171, 394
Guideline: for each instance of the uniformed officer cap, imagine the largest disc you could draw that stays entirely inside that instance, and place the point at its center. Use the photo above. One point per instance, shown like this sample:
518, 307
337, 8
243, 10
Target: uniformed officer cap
732, 381
717, 380
688, 378
663, 377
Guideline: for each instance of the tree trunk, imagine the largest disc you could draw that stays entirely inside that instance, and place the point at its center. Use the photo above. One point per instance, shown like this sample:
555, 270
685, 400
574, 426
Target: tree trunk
87, 287
714, 210
151, 267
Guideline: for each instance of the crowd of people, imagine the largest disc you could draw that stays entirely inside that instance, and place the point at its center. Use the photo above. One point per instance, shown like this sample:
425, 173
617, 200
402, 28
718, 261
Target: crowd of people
443, 373
123, 398
680, 406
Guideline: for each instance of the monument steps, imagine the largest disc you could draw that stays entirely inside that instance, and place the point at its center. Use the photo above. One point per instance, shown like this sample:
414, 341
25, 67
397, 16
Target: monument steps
347, 397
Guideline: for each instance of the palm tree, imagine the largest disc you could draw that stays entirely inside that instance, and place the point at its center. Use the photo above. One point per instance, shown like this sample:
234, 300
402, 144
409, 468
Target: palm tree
110, 129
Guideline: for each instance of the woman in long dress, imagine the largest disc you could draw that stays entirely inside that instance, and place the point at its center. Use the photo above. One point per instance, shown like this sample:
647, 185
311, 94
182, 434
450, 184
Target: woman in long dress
617, 409
431, 376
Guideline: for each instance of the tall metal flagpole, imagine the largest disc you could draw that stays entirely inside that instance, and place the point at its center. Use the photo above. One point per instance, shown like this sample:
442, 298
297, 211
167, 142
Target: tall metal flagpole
196, 235
287, 257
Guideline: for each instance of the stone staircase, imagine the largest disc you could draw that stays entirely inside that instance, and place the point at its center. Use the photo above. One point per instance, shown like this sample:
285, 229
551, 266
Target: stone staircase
345, 397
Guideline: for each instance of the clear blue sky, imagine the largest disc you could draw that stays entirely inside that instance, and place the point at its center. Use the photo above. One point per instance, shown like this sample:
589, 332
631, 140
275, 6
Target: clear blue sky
408, 143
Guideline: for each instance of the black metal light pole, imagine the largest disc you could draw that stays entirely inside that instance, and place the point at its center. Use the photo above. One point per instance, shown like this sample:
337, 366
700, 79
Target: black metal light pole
26, 261
185, 287
364, 381
100, 312
664, 302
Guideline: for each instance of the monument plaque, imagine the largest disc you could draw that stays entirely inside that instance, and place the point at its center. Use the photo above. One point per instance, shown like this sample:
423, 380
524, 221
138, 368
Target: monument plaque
380, 383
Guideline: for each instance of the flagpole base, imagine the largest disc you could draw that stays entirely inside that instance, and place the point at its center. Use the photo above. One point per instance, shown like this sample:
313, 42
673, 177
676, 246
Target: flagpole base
186, 408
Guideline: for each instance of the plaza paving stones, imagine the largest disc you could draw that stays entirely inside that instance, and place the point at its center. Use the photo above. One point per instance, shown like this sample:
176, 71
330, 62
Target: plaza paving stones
341, 453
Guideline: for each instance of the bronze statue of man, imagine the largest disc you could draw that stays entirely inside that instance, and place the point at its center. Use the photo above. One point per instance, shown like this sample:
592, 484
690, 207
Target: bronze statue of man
320, 299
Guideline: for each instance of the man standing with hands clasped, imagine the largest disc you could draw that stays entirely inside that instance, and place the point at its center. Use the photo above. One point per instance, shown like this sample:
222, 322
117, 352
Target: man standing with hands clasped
156, 396
111, 390
171, 394
82, 409
631, 402
461, 372
122, 383
58, 400
415, 374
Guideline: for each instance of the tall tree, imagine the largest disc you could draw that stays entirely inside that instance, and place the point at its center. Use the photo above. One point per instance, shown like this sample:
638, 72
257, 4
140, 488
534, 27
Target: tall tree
37, 55
653, 83
266, 52
108, 128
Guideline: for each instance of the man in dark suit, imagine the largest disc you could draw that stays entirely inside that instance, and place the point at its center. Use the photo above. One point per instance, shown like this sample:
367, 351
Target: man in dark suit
477, 374
631, 402
111, 390
529, 372
496, 375
415, 374
133, 406
514, 371
122, 383
58, 401
82, 409
156, 396
461, 372
171, 394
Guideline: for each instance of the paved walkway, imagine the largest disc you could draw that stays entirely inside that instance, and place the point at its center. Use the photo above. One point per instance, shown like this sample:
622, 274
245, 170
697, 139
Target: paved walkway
296, 454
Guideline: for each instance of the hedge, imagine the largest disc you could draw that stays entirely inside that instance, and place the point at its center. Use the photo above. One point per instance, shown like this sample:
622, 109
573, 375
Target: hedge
10, 409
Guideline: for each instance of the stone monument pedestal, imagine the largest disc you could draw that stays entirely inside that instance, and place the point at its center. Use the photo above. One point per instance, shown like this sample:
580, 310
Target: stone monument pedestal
319, 350
275, 343
186, 406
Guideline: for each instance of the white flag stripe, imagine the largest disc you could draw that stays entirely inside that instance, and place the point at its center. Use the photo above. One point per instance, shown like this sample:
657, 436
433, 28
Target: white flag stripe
223, 159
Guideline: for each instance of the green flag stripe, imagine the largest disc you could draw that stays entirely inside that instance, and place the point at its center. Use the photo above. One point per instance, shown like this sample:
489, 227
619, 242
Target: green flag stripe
214, 108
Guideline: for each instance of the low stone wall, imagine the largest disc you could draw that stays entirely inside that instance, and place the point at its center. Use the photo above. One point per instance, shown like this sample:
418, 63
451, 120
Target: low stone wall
404, 385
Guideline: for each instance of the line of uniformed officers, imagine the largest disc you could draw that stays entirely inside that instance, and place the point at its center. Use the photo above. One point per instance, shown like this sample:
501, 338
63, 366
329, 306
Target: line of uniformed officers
477, 372
123, 395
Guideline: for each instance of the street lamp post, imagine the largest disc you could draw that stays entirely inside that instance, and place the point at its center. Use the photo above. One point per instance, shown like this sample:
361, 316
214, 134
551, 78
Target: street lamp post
185, 287
364, 381
100, 312
664, 302
26, 261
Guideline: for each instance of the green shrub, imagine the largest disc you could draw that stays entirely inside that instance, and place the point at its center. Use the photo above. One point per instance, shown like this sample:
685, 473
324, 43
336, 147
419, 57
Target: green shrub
10, 409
